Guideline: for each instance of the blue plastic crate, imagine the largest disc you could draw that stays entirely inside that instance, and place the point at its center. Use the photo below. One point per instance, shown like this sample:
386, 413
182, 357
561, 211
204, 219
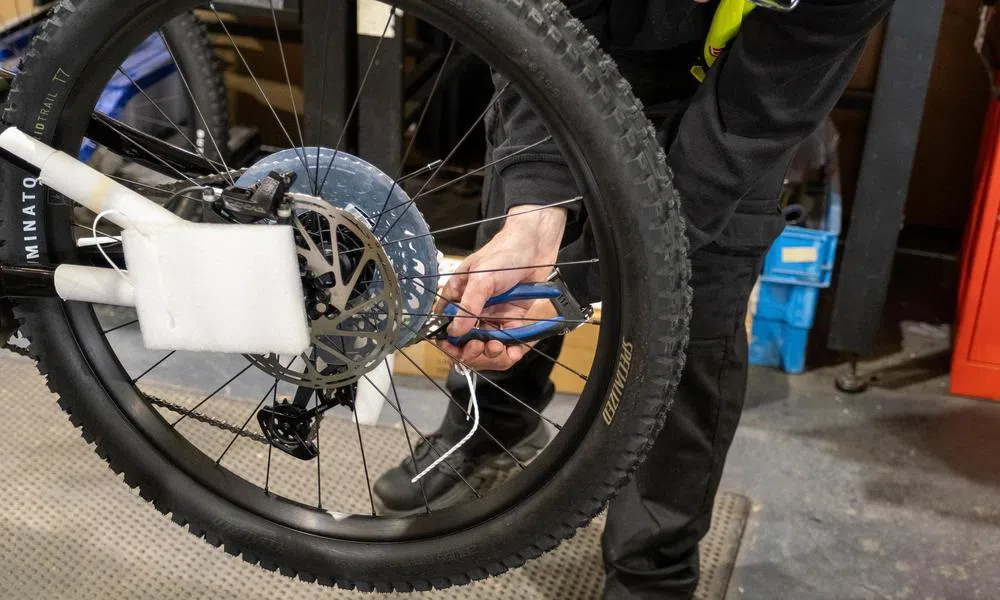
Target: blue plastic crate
805, 256
798, 265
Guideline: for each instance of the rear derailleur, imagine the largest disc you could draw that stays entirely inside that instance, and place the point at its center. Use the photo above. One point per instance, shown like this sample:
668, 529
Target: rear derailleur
293, 427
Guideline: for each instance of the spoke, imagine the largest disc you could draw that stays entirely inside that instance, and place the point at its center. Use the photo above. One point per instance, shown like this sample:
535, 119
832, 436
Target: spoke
357, 98
447, 158
247, 422
364, 462
423, 437
152, 187
90, 230
199, 151
424, 169
487, 379
458, 404
483, 168
319, 462
489, 318
406, 432
322, 99
529, 347
256, 82
288, 77
212, 395
267, 475
413, 140
150, 369
481, 221
154, 155
457, 179
592, 261
117, 327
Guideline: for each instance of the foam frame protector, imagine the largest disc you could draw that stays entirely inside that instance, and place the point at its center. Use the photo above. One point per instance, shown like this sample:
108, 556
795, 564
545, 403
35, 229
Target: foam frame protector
217, 288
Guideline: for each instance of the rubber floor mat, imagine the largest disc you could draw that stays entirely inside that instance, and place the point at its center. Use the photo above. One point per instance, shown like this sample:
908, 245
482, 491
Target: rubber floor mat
70, 528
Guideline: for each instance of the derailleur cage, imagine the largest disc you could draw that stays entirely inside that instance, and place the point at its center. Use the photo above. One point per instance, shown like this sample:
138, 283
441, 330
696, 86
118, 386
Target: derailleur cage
292, 427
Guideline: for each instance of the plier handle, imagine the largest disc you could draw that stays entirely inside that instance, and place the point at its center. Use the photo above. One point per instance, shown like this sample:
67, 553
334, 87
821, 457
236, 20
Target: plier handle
570, 316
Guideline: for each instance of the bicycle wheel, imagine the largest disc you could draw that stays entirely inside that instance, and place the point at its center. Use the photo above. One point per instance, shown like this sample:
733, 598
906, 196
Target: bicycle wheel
186, 429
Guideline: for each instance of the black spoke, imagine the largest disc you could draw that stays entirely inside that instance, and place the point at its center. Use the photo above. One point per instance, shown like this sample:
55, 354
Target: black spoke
153, 154
256, 82
488, 165
199, 151
212, 395
288, 77
462, 177
447, 158
530, 347
459, 404
357, 98
154, 188
122, 326
487, 380
481, 221
494, 318
364, 462
592, 261
423, 437
247, 422
413, 140
406, 432
319, 462
150, 369
322, 99
267, 475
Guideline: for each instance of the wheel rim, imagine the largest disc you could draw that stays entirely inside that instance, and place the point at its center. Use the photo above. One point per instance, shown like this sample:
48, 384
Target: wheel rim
93, 339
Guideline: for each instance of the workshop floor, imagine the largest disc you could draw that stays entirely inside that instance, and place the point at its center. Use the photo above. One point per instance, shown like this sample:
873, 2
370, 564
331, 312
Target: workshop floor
887, 494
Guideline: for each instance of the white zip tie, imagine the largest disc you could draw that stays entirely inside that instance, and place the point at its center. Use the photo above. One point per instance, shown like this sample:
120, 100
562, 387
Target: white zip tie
471, 412
100, 247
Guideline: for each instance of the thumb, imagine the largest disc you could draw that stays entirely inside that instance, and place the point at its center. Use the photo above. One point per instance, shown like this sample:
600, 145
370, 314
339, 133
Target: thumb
478, 289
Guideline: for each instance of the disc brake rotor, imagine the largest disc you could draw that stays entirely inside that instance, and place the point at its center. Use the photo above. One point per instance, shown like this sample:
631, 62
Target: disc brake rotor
368, 261
393, 217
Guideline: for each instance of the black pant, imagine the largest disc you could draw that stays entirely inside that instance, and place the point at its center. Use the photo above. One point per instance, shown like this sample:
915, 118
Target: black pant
729, 150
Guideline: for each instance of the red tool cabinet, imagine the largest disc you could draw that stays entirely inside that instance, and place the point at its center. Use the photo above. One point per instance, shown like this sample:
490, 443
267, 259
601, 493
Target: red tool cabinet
975, 367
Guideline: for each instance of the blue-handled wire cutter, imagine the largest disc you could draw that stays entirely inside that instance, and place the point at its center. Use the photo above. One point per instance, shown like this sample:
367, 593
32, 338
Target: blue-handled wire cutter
570, 316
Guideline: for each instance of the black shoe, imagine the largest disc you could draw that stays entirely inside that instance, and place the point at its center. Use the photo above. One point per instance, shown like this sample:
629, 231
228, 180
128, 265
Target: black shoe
397, 495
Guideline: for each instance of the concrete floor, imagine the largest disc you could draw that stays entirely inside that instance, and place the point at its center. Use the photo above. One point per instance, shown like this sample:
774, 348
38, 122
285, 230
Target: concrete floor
888, 494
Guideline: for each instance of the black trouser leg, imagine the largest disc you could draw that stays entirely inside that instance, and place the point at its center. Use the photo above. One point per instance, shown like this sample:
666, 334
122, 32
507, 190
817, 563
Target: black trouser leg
655, 523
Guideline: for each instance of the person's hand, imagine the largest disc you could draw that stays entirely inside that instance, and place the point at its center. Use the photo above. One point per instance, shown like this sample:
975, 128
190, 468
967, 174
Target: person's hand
526, 240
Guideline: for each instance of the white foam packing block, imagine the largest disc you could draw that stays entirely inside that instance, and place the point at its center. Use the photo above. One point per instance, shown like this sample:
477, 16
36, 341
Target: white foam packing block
218, 288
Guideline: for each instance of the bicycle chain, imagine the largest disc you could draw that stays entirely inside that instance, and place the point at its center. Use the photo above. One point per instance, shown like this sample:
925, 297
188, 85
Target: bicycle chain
212, 421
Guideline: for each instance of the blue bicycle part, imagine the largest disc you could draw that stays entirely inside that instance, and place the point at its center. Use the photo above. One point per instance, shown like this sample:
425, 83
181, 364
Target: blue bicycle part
553, 290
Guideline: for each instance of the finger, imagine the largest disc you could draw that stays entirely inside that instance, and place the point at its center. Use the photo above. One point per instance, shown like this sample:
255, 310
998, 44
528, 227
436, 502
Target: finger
495, 349
478, 290
516, 353
451, 350
473, 350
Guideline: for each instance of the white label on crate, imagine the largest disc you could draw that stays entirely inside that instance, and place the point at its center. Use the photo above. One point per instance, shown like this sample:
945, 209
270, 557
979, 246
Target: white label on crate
799, 254
372, 19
